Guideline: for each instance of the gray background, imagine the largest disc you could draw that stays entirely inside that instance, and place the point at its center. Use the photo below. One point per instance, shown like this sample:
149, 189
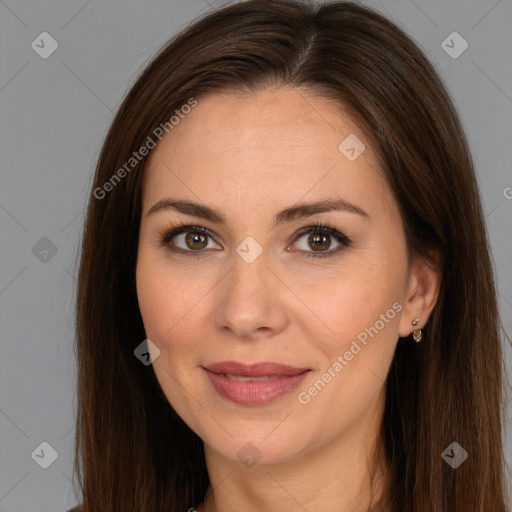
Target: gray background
54, 115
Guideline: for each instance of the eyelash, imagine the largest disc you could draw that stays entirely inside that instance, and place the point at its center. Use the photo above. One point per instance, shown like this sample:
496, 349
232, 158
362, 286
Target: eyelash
168, 233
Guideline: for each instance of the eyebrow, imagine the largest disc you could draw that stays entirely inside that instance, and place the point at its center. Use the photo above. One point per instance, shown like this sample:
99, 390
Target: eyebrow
300, 210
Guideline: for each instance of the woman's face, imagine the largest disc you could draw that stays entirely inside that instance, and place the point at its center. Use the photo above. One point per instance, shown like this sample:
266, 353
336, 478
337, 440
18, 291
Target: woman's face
255, 288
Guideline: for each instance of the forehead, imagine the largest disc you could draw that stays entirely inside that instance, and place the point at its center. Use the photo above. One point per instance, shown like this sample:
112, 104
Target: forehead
277, 144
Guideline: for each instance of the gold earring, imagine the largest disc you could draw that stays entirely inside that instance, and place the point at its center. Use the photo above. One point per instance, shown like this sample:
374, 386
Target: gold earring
417, 333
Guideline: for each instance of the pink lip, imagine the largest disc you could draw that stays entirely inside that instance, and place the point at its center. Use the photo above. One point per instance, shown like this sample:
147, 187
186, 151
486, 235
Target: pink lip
285, 379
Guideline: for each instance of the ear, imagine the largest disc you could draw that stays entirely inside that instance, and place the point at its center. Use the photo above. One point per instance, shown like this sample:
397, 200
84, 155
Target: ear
422, 293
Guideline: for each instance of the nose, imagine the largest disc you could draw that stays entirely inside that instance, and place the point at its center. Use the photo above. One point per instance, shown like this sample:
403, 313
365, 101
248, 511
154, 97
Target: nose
250, 300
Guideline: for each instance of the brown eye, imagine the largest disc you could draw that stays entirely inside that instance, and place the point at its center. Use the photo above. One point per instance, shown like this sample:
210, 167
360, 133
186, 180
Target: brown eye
195, 240
189, 240
320, 239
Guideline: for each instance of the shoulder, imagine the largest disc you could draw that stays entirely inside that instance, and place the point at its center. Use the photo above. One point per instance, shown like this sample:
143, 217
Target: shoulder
78, 508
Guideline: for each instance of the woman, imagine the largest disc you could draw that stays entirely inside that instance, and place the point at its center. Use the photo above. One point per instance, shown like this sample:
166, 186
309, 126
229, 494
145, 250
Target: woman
285, 297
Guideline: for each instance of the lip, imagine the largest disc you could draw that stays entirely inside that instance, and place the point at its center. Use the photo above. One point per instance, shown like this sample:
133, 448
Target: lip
283, 380
265, 368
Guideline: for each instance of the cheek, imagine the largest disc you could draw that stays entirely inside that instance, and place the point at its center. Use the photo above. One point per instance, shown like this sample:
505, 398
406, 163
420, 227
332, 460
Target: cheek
349, 300
167, 307
153, 302
175, 307
355, 315
164, 299
357, 340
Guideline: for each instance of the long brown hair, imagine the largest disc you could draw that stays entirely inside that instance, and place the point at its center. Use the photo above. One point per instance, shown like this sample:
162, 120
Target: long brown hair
132, 451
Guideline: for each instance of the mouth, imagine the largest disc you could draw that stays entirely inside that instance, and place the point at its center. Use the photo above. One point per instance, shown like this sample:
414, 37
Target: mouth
255, 390
256, 371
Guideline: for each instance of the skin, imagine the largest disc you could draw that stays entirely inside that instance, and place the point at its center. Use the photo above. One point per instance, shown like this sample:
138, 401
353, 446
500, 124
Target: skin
250, 157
